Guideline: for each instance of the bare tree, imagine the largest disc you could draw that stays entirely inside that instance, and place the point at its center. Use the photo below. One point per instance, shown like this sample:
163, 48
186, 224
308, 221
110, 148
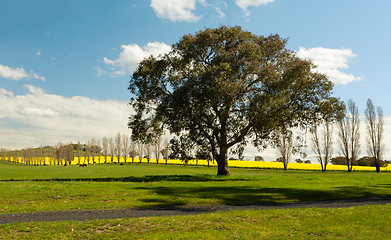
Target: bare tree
105, 148
2, 151
140, 147
52, 155
25, 156
67, 152
41, 156
349, 134
59, 155
148, 152
79, 149
125, 146
88, 152
98, 150
322, 146
118, 146
30, 156
133, 150
19, 156
93, 149
166, 150
2, 154
374, 132
35, 156
284, 146
111, 149
12, 155
157, 148
22, 156
196, 150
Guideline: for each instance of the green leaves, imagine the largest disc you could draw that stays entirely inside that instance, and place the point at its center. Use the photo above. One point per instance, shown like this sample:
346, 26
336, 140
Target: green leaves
227, 85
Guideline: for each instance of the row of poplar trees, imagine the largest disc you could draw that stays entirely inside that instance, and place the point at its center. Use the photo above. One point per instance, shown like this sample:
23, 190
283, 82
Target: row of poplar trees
348, 130
108, 150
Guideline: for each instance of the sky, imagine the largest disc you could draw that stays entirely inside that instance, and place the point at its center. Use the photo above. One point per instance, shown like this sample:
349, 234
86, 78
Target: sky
65, 65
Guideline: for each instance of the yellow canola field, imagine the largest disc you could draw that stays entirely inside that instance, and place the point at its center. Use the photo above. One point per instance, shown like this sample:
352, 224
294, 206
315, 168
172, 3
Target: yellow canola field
232, 163
299, 166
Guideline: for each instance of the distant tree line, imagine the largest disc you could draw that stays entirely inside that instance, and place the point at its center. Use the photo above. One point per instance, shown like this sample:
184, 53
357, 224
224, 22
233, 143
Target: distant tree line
59, 154
108, 150
363, 161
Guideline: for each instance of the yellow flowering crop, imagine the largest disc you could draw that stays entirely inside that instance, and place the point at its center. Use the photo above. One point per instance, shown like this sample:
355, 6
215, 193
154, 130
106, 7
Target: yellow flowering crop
232, 163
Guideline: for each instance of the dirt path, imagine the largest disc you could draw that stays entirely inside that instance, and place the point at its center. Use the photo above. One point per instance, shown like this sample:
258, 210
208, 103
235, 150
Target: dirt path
84, 215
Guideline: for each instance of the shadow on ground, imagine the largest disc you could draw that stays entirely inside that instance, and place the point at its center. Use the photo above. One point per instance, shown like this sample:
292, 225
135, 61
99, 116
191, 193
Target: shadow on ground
148, 178
237, 195
242, 196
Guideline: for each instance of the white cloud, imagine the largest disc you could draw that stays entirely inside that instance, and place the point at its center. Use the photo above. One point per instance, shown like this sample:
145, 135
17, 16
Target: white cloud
17, 73
38, 54
330, 62
132, 54
35, 90
37, 118
244, 4
221, 13
176, 10
36, 76
12, 73
100, 71
42, 112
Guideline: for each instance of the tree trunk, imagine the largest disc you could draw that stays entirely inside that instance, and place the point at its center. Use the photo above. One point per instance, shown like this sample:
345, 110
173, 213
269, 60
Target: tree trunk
377, 165
323, 167
222, 167
349, 164
285, 166
222, 163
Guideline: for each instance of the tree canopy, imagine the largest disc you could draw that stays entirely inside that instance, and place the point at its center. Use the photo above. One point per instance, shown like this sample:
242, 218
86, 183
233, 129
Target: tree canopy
225, 87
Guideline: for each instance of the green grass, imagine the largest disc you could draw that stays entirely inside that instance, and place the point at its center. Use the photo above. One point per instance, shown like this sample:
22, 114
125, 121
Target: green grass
54, 188
367, 222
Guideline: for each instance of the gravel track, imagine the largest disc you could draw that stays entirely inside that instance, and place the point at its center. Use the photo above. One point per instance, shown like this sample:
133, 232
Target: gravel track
84, 215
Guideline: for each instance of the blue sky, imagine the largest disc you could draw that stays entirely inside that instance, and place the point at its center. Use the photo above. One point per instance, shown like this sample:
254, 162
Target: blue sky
65, 64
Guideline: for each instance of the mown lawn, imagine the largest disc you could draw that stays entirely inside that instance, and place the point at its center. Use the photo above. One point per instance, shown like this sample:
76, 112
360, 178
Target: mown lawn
54, 188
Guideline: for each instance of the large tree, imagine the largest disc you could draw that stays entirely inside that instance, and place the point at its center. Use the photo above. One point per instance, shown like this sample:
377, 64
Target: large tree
225, 86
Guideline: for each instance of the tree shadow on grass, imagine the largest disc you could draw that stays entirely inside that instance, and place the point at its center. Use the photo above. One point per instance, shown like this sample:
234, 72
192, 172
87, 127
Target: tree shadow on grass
148, 178
167, 197
383, 185
193, 194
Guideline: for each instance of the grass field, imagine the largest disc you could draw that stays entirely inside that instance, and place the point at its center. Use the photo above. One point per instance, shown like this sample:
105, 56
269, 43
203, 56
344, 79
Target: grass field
42, 188
367, 222
101, 186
